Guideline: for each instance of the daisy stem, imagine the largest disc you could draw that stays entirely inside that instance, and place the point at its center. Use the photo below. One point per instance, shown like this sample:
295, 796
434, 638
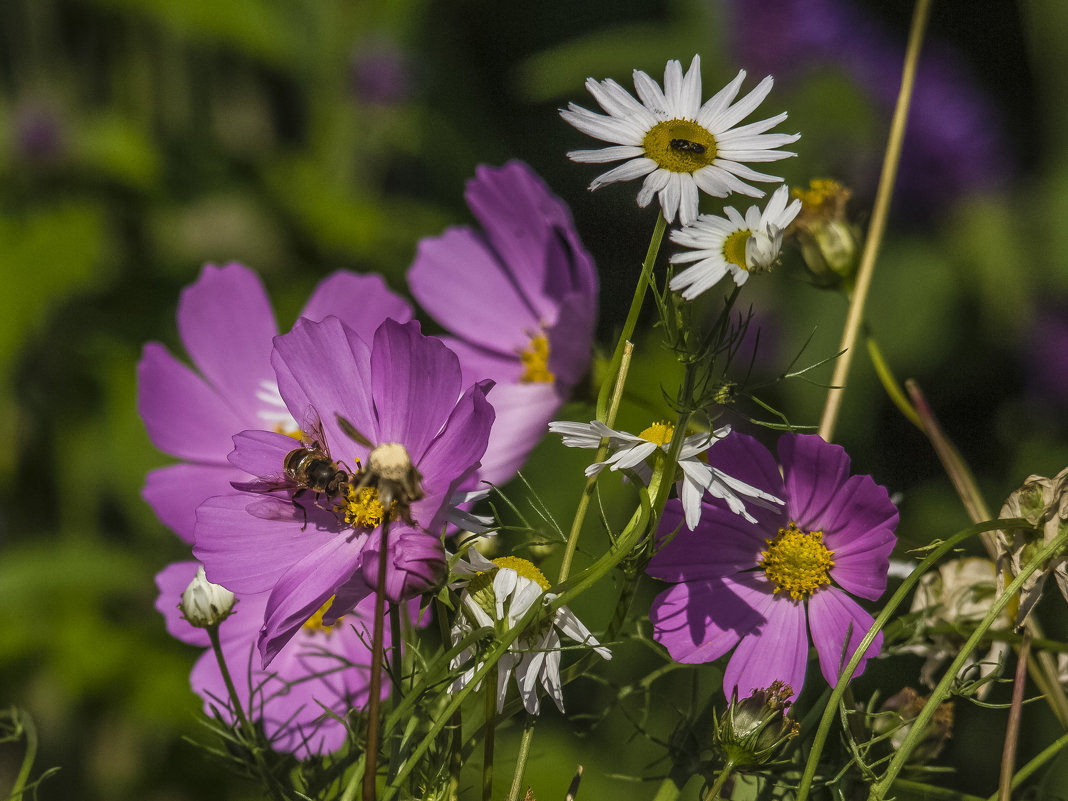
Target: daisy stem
490, 688
919, 726
830, 711
1012, 727
612, 389
246, 728
370, 774
879, 215
521, 758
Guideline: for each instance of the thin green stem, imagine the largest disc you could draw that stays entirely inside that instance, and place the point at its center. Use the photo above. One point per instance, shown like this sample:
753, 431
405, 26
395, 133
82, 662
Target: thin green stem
830, 711
890, 384
396, 640
1012, 727
370, 774
934, 792
490, 689
24, 723
522, 757
612, 389
1024, 773
717, 785
879, 216
919, 726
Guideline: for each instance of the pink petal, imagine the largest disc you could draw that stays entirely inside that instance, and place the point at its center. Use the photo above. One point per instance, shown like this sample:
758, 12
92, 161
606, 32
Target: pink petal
830, 614
777, 651
361, 302
175, 492
698, 621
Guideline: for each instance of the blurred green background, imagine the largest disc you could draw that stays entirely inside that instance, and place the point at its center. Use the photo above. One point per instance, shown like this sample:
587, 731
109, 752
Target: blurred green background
140, 139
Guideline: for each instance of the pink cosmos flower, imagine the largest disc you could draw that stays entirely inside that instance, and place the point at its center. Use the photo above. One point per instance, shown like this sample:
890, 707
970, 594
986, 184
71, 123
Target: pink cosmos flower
314, 681
520, 298
405, 389
226, 324
764, 588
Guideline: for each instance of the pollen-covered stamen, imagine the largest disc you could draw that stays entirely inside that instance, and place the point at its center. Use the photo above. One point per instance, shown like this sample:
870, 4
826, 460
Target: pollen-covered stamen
797, 562
658, 433
314, 624
363, 509
680, 145
535, 361
734, 248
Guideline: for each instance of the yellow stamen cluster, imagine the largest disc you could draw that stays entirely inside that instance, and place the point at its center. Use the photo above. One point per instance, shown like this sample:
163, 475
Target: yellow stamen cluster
680, 145
363, 509
535, 361
315, 622
734, 248
797, 562
658, 433
824, 198
480, 587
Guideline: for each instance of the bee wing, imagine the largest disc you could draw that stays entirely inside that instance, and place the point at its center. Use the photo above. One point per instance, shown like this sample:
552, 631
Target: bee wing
265, 484
311, 431
352, 432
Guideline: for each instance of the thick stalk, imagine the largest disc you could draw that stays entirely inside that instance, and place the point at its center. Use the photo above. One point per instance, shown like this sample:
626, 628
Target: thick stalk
370, 773
879, 215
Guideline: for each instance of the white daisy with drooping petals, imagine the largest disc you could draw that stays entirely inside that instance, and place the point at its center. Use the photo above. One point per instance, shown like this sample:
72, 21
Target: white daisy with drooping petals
733, 245
677, 144
630, 452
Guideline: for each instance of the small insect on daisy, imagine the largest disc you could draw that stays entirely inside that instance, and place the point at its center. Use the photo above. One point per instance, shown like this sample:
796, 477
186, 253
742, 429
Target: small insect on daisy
309, 468
675, 142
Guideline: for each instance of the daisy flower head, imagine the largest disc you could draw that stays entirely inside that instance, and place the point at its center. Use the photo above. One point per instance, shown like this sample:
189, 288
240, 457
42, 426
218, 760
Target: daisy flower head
498, 594
631, 452
301, 702
675, 142
764, 589
733, 244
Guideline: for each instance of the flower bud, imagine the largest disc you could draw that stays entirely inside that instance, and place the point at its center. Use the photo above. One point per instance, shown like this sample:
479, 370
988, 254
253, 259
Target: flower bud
830, 244
205, 604
755, 727
1043, 502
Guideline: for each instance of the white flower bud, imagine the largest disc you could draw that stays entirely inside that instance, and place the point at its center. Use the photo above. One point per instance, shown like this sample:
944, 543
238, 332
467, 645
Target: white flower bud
205, 604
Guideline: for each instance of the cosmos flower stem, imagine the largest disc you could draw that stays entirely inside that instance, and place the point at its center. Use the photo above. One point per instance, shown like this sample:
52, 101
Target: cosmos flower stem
830, 710
1024, 773
880, 789
890, 384
717, 785
1012, 727
521, 758
880, 213
602, 454
22, 723
489, 735
246, 728
375, 689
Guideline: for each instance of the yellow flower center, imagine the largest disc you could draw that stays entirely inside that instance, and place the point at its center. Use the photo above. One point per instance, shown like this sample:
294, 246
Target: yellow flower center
523, 568
824, 198
480, 587
362, 508
535, 361
314, 623
680, 145
734, 248
658, 433
797, 562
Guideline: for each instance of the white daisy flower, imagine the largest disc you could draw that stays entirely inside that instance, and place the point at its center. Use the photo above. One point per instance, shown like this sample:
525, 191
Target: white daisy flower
630, 452
732, 245
675, 142
498, 594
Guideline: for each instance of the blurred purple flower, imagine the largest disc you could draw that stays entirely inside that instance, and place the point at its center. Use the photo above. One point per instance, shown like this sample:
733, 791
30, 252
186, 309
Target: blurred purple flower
406, 389
954, 143
226, 324
520, 298
756, 586
321, 673
1046, 354
38, 134
380, 74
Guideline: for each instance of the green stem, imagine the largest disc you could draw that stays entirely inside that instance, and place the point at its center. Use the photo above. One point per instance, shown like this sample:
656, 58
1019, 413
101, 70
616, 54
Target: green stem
521, 759
917, 731
1024, 773
397, 672
490, 688
879, 215
904, 591
890, 384
370, 774
24, 723
931, 791
612, 389
721, 779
